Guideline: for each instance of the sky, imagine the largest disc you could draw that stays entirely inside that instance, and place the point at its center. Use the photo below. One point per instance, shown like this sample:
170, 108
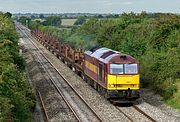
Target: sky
89, 6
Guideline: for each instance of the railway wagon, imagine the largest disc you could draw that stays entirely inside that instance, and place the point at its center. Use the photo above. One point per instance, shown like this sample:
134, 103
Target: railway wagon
111, 73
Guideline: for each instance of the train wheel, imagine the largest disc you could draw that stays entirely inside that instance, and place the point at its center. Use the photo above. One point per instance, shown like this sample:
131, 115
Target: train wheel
92, 83
57, 55
84, 77
95, 85
89, 81
99, 89
62, 59
107, 95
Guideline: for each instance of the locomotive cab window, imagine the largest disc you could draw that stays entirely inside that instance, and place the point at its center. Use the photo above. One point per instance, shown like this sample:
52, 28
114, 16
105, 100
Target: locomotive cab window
131, 68
116, 68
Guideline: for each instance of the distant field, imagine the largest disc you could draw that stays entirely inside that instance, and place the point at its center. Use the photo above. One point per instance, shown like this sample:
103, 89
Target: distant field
68, 21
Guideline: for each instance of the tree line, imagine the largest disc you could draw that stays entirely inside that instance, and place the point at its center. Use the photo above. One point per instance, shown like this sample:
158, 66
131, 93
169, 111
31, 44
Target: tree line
16, 99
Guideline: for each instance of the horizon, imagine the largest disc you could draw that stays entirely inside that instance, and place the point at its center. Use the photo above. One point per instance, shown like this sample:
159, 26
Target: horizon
93, 6
98, 13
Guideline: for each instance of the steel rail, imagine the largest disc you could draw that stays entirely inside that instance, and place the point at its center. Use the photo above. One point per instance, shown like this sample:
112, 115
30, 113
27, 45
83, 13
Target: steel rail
124, 114
139, 110
142, 112
43, 107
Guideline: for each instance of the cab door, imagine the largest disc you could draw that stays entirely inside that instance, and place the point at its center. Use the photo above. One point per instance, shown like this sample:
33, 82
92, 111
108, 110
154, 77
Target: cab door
101, 72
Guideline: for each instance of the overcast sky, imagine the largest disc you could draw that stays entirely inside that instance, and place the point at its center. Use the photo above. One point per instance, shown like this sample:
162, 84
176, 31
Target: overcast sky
89, 6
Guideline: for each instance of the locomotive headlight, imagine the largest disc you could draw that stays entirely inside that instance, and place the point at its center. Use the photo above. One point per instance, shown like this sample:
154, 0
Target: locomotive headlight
112, 85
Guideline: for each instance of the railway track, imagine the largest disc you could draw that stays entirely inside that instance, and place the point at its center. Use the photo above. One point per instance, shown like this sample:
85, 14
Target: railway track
135, 114
78, 106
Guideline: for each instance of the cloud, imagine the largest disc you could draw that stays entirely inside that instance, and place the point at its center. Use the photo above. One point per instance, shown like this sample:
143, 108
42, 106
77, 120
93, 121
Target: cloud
127, 3
107, 2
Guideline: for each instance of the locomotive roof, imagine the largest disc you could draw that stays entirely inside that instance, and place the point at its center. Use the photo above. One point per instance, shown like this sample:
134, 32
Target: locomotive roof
98, 53
105, 54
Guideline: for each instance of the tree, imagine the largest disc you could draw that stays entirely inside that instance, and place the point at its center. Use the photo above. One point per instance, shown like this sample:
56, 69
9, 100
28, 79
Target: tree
41, 16
100, 16
24, 20
33, 17
80, 21
91, 26
52, 21
34, 24
8, 14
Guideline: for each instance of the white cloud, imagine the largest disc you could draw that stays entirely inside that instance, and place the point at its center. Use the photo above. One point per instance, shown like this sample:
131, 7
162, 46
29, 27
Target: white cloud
127, 3
107, 2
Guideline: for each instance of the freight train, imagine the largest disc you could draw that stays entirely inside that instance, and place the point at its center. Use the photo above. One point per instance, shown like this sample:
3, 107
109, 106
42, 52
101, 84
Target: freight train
113, 74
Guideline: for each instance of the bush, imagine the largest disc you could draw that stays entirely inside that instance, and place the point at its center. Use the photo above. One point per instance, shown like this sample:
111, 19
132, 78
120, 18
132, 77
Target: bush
16, 99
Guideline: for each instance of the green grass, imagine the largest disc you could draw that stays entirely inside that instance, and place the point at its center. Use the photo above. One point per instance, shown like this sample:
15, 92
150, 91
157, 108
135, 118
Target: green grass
175, 101
68, 22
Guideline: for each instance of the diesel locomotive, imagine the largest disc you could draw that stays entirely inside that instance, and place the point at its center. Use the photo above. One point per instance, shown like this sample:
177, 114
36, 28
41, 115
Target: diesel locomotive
113, 74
